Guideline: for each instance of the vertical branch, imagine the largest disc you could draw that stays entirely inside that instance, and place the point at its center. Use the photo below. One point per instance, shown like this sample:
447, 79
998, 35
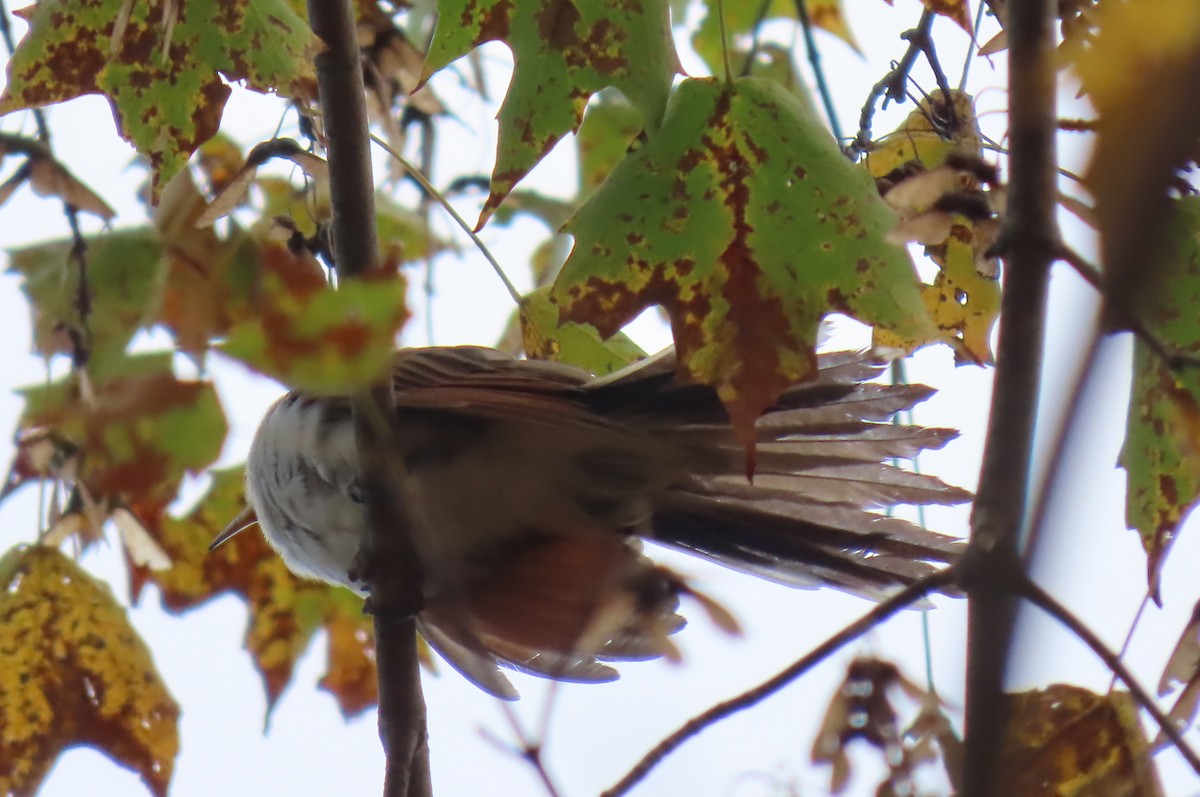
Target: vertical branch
1029, 243
387, 560
81, 339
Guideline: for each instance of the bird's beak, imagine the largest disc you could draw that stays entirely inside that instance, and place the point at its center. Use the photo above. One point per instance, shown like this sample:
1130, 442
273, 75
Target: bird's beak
235, 527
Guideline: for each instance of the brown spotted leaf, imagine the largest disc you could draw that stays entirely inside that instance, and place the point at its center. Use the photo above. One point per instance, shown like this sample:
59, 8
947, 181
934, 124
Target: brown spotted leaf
563, 51
1064, 741
1161, 454
285, 611
164, 75
745, 222
138, 429
308, 335
73, 671
578, 344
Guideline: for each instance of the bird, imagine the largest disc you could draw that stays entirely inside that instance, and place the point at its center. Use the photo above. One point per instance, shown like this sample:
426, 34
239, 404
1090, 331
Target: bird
533, 486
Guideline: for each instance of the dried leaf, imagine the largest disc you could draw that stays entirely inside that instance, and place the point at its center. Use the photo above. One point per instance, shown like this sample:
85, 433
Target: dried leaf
141, 431
1064, 741
233, 193
51, 179
74, 672
862, 709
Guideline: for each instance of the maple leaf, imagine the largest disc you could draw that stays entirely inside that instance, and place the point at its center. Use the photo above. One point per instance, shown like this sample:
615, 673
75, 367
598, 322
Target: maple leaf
160, 65
285, 611
744, 221
138, 430
310, 336
73, 671
563, 52
1161, 452
578, 344
1066, 740
122, 274
741, 19
609, 128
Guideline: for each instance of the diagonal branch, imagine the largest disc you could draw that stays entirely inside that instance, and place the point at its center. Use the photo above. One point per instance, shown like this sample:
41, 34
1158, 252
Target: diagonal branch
1046, 602
901, 600
387, 559
1030, 243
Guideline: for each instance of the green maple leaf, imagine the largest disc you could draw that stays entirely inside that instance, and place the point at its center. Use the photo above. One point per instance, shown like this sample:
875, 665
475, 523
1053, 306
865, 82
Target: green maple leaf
744, 221
1161, 454
164, 81
563, 52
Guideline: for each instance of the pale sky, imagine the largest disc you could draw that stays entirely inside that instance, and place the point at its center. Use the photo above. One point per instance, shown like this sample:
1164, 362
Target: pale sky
598, 731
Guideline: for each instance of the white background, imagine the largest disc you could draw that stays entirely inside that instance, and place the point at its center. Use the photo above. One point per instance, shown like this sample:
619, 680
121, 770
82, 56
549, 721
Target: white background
597, 732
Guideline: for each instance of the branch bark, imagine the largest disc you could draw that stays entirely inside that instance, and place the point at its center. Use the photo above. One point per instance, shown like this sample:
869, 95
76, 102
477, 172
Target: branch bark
1030, 242
388, 559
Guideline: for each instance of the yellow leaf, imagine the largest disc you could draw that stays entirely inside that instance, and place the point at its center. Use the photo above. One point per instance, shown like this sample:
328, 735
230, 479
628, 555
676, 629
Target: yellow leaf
74, 672
1064, 741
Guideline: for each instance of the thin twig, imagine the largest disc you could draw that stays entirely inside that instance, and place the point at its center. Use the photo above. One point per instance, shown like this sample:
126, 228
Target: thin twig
751, 54
423, 181
892, 86
1173, 358
1029, 242
814, 59
966, 70
530, 751
901, 600
387, 560
1047, 603
82, 340
1125, 643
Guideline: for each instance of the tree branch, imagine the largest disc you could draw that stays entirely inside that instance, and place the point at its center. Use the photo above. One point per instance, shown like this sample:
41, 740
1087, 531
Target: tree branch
1046, 602
81, 339
1030, 242
901, 600
387, 559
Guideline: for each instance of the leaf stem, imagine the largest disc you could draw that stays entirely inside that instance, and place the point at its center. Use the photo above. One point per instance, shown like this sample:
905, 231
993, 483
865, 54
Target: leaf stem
423, 181
725, 43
